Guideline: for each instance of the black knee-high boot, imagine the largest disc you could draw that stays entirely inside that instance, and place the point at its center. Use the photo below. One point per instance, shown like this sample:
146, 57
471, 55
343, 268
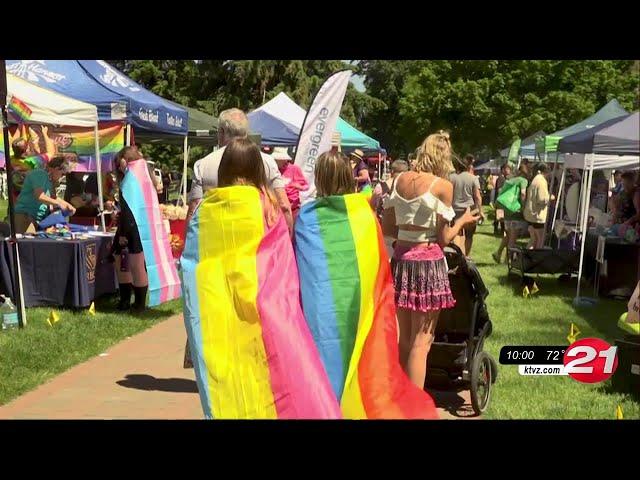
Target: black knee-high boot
125, 296
140, 302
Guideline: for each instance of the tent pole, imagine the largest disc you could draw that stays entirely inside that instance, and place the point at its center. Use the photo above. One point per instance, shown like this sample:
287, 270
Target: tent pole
558, 203
13, 243
585, 216
128, 135
96, 133
184, 170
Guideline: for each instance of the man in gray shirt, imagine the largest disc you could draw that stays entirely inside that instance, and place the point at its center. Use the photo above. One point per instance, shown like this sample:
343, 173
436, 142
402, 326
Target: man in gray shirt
466, 194
233, 123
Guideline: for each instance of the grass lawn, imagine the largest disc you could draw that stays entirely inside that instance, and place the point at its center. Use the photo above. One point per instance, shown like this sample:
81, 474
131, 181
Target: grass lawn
31, 356
544, 319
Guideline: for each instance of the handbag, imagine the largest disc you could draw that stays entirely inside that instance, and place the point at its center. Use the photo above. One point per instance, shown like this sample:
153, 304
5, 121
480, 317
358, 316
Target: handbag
509, 198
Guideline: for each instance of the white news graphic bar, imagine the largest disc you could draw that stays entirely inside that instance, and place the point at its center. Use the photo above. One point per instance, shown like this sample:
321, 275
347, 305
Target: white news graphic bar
541, 370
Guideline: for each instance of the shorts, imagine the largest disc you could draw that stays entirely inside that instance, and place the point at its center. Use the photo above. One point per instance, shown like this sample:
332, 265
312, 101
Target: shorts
134, 245
468, 229
516, 225
536, 226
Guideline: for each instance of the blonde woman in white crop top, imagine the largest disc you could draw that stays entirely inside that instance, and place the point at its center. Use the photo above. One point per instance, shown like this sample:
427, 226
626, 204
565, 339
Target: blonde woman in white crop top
418, 213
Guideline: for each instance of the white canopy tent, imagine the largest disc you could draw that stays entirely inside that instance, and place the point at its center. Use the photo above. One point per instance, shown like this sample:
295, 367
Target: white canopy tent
588, 163
49, 107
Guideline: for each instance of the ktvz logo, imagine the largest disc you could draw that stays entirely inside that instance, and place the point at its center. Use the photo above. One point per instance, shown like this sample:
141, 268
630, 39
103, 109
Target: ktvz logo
90, 262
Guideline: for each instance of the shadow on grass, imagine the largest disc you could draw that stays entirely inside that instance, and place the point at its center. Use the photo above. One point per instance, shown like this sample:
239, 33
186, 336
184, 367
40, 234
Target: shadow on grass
451, 401
150, 383
109, 304
603, 316
547, 286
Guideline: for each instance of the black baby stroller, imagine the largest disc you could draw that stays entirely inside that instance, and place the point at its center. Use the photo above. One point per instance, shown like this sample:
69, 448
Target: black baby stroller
456, 358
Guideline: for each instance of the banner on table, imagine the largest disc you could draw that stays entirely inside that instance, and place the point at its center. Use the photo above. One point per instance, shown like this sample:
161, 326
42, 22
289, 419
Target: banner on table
51, 140
318, 127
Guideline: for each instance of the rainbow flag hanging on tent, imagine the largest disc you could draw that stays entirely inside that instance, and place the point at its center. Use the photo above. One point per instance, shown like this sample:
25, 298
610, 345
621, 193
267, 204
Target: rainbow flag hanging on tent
138, 191
252, 351
348, 301
20, 109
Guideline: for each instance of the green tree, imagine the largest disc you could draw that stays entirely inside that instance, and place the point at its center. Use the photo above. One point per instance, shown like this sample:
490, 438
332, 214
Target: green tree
486, 104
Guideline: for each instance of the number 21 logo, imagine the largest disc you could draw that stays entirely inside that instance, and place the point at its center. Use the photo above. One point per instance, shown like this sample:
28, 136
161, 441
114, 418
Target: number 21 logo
590, 360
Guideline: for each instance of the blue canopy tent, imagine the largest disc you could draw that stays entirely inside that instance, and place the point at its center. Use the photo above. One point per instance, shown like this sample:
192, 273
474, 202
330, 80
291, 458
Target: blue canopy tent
116, 96
70, 79
147, 110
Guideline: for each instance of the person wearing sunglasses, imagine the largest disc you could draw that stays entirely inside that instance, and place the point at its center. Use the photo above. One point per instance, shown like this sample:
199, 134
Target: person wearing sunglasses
38, 196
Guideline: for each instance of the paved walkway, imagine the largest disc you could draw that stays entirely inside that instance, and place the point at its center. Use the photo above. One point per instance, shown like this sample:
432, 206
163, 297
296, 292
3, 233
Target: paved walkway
140, 378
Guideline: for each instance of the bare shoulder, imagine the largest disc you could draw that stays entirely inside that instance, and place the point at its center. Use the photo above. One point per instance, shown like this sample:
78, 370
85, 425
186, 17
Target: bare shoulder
413, 184
443, 190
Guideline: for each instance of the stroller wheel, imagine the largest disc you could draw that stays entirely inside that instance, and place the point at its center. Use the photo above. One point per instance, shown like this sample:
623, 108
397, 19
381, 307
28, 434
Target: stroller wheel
481, 380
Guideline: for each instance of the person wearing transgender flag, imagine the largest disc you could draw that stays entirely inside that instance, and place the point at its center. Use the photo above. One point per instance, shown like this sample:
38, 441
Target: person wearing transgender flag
348, 299
143, 258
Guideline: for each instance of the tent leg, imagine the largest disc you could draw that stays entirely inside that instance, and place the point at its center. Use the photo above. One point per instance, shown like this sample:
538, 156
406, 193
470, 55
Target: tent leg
558, 201
184, 170
585, 217
96, 133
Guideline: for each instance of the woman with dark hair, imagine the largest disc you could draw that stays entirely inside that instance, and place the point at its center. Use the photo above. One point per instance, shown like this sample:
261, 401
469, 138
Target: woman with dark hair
536, 205
38, 196
253, 354
138, 262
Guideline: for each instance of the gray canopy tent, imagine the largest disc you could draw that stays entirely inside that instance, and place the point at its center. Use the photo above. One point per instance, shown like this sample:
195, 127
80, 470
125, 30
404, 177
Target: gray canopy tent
612, 145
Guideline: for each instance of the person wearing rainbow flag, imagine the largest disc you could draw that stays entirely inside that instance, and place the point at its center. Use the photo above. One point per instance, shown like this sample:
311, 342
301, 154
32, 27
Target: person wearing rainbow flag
347, 297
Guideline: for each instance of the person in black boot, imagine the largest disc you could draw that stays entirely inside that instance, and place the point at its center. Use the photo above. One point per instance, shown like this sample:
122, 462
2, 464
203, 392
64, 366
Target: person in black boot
125, 296
127, 247
140, 301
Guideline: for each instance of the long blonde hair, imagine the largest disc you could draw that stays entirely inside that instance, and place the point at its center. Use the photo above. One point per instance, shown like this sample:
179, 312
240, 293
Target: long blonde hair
434, 155
334, 175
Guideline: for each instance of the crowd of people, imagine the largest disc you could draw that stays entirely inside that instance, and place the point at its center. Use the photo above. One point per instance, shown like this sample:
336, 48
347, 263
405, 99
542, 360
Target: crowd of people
424, 205
420, 208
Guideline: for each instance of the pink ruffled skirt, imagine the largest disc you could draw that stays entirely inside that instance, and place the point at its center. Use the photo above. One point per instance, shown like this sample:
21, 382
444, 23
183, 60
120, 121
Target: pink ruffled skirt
421, 278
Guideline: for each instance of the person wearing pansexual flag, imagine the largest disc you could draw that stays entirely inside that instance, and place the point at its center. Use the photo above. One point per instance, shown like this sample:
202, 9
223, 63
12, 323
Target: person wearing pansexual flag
347, 299
251, 348
144, 262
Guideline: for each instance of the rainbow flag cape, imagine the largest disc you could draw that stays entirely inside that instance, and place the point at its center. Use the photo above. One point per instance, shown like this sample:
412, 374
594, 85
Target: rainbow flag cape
20, 109
348, 302
139, 193
251, 348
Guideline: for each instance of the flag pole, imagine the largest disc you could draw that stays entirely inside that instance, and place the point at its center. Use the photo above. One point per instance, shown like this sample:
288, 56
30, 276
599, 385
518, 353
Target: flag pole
13, 244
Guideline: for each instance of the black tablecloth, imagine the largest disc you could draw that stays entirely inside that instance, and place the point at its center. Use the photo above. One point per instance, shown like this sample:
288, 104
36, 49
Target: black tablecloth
622, 262
69, 273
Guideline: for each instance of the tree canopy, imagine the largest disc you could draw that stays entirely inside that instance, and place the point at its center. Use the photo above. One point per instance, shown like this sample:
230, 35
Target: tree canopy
485, 104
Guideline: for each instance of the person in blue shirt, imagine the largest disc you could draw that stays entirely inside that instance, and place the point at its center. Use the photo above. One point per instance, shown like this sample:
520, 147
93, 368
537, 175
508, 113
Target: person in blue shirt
38, 195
